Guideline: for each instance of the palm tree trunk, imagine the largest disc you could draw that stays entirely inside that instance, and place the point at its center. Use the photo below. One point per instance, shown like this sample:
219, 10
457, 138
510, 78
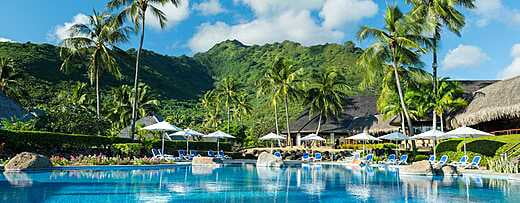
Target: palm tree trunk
442, 121
434, 71
289, 140
403, 105
319, 124
434, 120
136, 77
276, 119
228, 113
97, 95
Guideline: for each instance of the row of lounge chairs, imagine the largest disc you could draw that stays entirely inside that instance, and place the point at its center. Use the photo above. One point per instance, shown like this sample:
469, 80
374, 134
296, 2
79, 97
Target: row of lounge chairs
184, 155
462, 163
305, 157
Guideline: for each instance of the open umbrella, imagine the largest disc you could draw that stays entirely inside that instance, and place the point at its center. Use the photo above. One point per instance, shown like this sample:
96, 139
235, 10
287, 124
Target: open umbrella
218, 135
272, 136
312, 137
187, 133
363, 137
395, 136
430, 135
162, 127
466, 132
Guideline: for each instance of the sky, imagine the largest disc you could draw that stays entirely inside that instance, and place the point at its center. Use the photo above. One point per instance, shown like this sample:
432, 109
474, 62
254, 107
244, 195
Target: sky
489, 47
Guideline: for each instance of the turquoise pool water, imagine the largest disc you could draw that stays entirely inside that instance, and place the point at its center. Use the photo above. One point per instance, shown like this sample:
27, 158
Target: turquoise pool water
247, 183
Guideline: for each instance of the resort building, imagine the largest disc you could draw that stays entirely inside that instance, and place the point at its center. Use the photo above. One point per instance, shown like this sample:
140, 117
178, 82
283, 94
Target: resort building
494, 108
360, 114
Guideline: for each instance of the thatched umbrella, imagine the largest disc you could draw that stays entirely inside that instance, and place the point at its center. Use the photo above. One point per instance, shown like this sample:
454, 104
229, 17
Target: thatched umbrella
496, 101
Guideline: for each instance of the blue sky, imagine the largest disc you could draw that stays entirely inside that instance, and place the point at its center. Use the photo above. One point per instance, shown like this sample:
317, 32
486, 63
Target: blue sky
488, 49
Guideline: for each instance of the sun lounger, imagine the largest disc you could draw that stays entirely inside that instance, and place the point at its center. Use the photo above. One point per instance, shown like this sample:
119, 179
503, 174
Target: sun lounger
443, 160
403, 160
211, 153
194, 153
475, 163
221, 155
463, 161
317, 156
368, 159
278, 154
183, 155
158, 155
305, 157
432, 159
390, 160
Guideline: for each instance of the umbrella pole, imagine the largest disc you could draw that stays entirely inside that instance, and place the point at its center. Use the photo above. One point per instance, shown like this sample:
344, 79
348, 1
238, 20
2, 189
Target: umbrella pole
187, 145
162, 144
434, 151
218, 145
464, 146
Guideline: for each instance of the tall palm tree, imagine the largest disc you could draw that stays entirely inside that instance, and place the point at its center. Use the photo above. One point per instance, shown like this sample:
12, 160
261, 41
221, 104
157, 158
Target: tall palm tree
448, 98
211, 104
325, 92
122, 99
94, 41
9, 84
436, 15
136, 11
397, 46
242, 105
285, 78
228, 89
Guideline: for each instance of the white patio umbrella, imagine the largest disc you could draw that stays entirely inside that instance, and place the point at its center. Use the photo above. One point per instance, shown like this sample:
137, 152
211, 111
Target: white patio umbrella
466, 132
272, 136
363, 137
219, 135
430, 135
187, 133
395, 136
312, 137
162, 127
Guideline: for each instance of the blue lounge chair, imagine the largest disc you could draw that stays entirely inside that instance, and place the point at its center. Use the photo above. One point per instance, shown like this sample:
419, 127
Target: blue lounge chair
391, 159
475, 163
403, 160
211, 153
183, 154
369, 158
278, 154
432, 159
317, 156
221, 155
443, 160
463, 161
194, 153
305, 156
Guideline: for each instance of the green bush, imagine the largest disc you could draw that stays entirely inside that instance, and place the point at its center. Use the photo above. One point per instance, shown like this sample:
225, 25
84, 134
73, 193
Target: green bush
484, 147
127, 149
50, 142
420, 157
503, 165
449, 145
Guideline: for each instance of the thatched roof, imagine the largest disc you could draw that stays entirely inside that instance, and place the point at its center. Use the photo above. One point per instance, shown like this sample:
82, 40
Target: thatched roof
10, 108
145, 121
359, 113
497, 101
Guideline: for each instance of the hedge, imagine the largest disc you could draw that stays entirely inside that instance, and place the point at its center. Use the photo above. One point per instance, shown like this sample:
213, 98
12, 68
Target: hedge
484, 147
449, 145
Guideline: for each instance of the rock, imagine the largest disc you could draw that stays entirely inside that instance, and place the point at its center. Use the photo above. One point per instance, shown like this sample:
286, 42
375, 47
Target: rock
268, 160
417, 168
27, 161
449, 170
205, 161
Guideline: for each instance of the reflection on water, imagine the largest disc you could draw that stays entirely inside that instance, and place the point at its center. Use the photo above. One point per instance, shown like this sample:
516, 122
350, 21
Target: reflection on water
247, 183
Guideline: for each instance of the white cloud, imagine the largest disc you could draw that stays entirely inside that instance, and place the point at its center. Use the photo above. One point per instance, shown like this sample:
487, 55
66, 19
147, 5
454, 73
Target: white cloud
2, 39
494, 10
296, 26
210, 7
173, 14
337, 13
512, 69
464, 56
279, 20
61, 32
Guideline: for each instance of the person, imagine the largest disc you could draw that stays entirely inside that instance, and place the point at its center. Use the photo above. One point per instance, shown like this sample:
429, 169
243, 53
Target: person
336, 145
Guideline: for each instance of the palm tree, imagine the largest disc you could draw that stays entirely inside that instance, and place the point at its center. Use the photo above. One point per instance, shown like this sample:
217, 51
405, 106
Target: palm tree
77, 96
284, 77
325, 93
228, 89
93, 41
122, 99
242, 105
437, 14
8, 77
211, 104
448, 98
396, 47
136, 11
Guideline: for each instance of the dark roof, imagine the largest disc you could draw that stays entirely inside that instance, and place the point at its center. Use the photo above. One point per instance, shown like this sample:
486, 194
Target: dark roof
145, 121
10, 108
360, 113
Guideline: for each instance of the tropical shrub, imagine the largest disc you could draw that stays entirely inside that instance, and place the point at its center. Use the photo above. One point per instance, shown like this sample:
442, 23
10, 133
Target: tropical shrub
173, 146
92, 160
127, 149
420, 157
14, 124
484, 147
449, 145
503, 164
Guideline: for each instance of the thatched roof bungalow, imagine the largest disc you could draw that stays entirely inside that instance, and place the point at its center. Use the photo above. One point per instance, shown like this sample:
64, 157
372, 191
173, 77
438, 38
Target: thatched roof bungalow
494, 107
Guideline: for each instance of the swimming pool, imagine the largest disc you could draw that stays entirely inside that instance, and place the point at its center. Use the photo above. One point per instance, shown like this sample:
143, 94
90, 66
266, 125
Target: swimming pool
247, 183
